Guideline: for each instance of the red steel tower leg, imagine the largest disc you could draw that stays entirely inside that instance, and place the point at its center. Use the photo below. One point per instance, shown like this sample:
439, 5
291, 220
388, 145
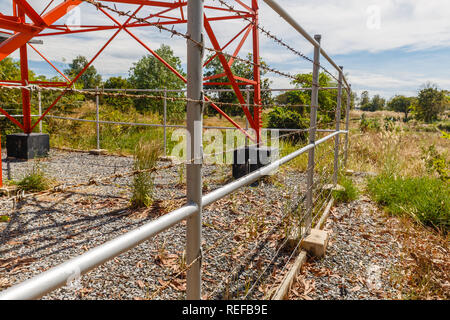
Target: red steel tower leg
256, 74
26, 103
45, 24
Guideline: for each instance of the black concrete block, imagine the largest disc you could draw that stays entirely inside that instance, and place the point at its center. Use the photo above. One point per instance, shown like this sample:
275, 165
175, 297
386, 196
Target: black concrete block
249, 159
27, 146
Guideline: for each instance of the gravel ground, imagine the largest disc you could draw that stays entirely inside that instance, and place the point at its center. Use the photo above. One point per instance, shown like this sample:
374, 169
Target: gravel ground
360, 258
241, 233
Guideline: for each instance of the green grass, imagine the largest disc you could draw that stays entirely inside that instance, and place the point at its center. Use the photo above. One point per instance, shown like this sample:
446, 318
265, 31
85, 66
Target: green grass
426, 199
349, 193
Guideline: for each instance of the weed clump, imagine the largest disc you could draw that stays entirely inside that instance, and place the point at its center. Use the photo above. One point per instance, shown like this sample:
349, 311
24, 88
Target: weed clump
35, 180
145, 158
424, 198
348, 194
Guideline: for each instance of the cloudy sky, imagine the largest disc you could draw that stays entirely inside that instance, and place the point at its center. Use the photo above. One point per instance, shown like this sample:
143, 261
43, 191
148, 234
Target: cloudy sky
387, 47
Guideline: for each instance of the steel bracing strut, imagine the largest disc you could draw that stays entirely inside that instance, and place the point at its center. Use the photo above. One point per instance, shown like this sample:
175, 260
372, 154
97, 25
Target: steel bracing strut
25, 24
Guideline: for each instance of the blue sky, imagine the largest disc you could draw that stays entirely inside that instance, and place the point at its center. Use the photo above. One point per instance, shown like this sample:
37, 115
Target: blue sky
387, 47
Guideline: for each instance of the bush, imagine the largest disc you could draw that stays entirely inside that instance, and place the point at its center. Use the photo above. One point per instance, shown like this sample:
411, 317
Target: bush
349, 193
425, 199
145, 157
444, 126
436, 163
282, 118
366, 124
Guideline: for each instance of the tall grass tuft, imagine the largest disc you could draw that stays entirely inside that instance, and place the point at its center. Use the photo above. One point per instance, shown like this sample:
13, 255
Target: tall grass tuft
145, 157
35, 180
348, 194
423, 198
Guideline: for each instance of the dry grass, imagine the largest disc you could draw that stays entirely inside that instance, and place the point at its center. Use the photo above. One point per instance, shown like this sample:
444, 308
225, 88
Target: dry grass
423, 271
377, 114
145, 157
372, 151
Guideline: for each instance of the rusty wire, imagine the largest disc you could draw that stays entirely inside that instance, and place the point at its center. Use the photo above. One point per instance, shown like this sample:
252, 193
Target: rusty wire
140, 96
189, 38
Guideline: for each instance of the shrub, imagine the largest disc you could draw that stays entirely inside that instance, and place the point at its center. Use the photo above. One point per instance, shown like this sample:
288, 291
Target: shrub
283, 118
366, 124
436, 162
444, 126
349, 193
145, 158
425, 199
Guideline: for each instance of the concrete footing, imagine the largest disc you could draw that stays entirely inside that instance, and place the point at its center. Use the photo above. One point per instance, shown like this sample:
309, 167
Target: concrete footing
27, 146
249, 159
316, 243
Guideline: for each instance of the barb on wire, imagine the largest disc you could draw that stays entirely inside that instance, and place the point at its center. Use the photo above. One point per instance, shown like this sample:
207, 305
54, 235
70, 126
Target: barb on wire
268, 33
140, 96
187, 37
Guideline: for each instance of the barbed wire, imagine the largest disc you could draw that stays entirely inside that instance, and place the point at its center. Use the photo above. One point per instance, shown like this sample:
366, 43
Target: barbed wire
268, 33
278, 40
141, 96
189, 38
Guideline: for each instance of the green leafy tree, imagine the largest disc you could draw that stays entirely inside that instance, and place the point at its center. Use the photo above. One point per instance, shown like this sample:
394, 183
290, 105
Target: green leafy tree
430, 103
150, 73
364, 100
327, 98
376, 103
121, 103
239, 69
285, 118
10, 100
90, 78
401, 104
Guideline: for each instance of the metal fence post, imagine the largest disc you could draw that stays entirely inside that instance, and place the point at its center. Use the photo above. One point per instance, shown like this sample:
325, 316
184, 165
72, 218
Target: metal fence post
165, 121
247, 92
97, 103
312, 134
338, 127
194, 147
347, 122
40, 109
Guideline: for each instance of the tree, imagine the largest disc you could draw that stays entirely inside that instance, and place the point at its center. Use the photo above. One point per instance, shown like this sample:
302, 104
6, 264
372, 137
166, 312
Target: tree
365, 100
240, 69
430, 103
377, 103
401, 104
150, 73
327, 98
90, 78
10, 100
122, 103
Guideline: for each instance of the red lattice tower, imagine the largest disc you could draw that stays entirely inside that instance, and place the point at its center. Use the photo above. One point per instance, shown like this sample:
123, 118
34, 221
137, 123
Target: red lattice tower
26, 24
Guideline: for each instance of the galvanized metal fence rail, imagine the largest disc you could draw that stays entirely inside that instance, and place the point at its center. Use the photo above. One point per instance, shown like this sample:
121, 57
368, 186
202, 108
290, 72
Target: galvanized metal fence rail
58, 276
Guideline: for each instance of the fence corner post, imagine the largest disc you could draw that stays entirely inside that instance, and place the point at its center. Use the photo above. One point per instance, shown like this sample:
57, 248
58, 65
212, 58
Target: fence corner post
338, 127
165, 121
194, 146
312, 134
347, 124
97, 117
40, 109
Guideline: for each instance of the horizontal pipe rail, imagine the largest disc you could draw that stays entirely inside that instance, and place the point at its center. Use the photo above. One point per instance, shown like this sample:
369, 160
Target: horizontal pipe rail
58, 276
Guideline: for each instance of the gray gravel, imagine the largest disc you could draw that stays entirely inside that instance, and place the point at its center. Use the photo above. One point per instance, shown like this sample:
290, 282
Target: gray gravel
360, 257
47, 230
